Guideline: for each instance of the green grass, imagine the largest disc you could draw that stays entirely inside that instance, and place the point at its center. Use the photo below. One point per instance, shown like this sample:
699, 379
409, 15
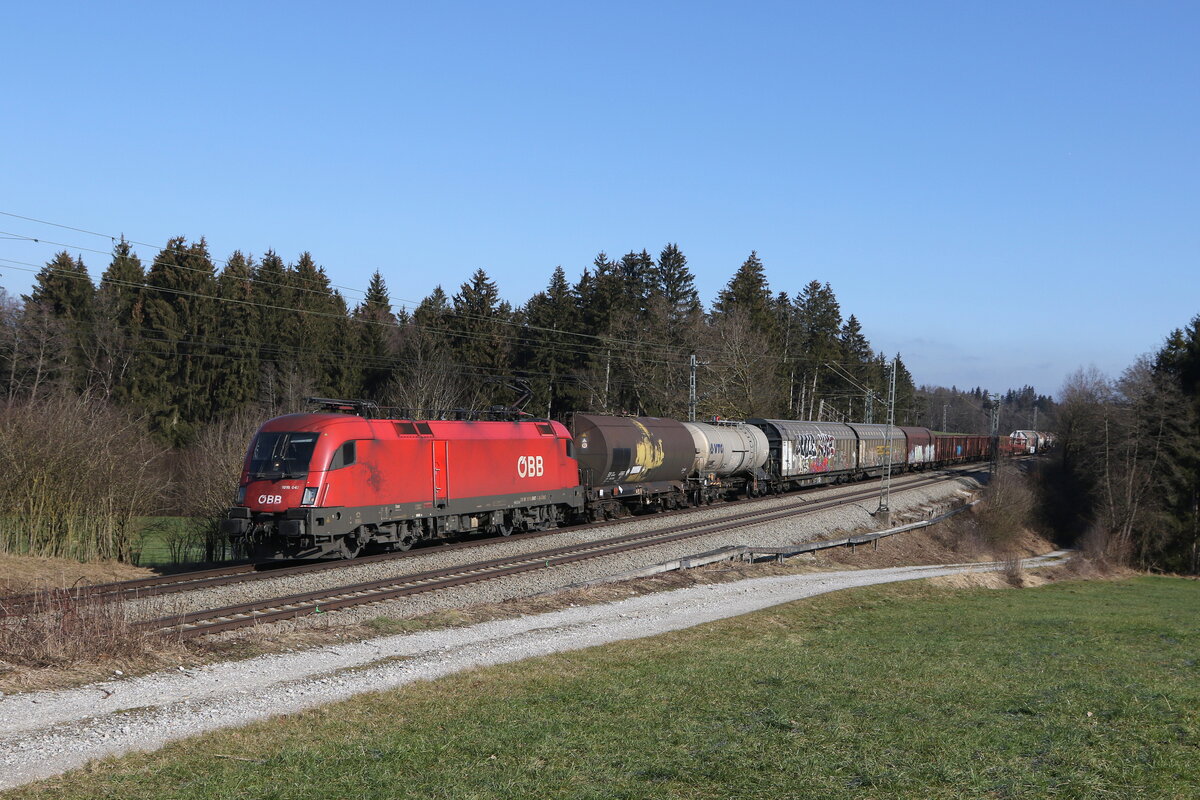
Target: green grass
1071, 690
153, 544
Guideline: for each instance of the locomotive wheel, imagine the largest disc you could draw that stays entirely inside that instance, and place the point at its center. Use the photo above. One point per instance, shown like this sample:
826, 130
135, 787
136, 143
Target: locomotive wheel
549, 519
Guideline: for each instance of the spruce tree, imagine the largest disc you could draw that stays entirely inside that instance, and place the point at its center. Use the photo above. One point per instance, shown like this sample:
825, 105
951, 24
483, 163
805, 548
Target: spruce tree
819, 321
321, 356
748, 292
636, 272
480, 334
279, 326
677, 285
855, 347
176, 375
64, 291
64, 288
376, 325
119, 320
548, 351
240, 336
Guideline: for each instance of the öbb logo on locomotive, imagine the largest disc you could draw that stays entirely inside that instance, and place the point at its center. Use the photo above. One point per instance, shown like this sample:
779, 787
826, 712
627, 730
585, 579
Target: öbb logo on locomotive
530, 467
383, 483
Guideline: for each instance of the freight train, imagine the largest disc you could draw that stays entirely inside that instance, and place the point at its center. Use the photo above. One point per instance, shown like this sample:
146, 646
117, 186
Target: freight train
334, 483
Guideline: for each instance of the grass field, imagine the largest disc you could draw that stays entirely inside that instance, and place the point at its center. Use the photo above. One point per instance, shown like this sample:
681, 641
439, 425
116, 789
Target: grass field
169, 541
1072, 690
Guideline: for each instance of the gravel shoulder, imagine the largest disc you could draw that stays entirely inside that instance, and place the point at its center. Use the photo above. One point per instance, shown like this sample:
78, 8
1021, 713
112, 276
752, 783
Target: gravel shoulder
45, 733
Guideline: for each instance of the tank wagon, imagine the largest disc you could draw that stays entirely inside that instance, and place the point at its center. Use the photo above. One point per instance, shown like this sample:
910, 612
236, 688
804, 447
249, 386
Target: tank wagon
632, 462
730, 457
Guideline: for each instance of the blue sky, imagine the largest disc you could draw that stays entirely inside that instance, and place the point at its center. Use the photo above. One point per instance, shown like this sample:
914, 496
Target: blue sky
1001, 192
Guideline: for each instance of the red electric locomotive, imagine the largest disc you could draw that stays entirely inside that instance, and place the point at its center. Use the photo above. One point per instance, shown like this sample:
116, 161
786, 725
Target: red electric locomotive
328, 485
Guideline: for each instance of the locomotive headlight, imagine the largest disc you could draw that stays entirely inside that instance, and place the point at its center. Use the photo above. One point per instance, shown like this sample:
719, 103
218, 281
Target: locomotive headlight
310, 496
241, 496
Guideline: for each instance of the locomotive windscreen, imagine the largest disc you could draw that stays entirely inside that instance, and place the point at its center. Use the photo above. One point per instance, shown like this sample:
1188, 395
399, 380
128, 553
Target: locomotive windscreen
282, 454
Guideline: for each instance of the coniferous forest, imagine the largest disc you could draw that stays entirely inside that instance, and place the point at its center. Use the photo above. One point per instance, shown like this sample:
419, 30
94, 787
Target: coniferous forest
141, 392
184, 342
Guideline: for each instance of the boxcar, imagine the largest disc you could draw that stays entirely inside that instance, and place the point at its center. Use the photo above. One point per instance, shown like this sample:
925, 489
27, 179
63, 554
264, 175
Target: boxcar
807, 453
875, 449
920, 447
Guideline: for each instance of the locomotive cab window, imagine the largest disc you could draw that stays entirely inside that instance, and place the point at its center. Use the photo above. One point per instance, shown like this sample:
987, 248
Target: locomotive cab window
276, 454
344, 456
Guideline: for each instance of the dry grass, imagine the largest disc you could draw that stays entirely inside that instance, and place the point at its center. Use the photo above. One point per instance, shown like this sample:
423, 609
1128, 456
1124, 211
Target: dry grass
21, 574
64, 633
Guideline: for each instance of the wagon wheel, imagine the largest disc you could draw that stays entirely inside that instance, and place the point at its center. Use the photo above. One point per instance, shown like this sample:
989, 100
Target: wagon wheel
351, 547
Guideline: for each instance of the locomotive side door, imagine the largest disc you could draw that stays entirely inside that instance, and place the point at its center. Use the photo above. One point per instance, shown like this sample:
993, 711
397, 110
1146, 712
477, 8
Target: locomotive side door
441, 470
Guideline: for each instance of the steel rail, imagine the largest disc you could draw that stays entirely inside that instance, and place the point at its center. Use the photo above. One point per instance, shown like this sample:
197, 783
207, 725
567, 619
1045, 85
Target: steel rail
291, 606
158, 585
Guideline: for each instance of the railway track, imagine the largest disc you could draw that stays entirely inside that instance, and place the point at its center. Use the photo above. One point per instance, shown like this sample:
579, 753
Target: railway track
158, 585
227, 618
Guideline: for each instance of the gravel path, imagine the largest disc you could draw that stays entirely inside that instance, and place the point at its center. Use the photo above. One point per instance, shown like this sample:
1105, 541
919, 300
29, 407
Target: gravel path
45, 733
